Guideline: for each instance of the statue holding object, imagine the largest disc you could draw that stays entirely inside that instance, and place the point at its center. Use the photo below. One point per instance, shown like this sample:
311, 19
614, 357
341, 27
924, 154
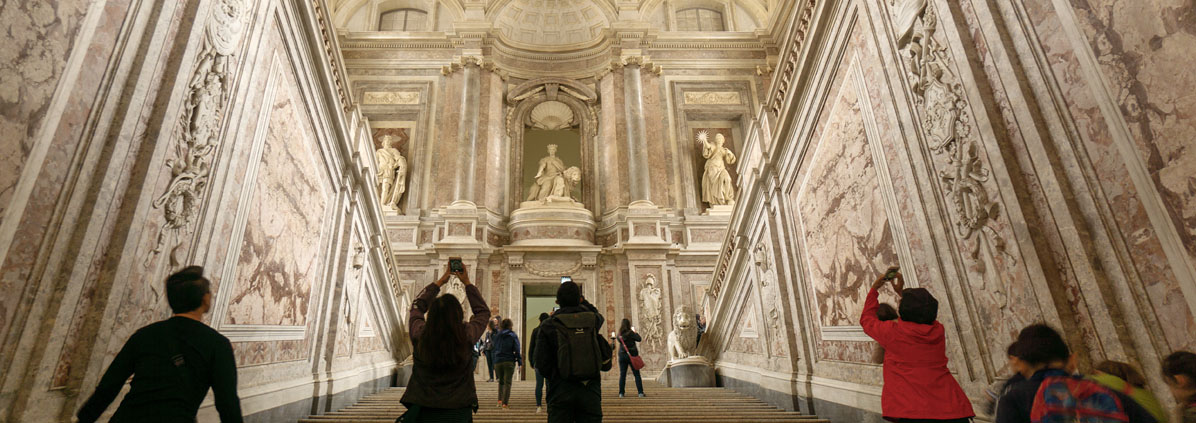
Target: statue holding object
717, 187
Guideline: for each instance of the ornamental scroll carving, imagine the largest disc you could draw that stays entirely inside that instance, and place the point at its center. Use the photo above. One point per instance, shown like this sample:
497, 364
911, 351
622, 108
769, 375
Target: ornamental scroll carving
198, 131
789, 66
946, 125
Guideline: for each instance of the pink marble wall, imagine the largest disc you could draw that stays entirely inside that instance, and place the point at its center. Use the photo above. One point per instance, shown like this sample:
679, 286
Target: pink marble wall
847, 235
40, 37
1141, 50
285, 235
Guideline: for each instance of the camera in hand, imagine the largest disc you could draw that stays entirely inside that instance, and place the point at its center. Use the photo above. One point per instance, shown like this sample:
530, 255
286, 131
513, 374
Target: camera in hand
455, 265
892, 273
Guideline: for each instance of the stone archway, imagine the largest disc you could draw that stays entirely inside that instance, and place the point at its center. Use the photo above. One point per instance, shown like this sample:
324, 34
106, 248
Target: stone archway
582, 100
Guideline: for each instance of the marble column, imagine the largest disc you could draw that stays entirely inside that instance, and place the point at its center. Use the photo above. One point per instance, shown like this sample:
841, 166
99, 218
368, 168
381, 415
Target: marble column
467, 131
637, 144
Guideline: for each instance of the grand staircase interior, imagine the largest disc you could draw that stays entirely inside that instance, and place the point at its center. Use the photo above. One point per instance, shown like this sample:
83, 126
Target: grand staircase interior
661, 405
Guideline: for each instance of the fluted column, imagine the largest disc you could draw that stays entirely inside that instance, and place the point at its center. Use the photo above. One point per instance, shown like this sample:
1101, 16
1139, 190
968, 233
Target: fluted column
637, 144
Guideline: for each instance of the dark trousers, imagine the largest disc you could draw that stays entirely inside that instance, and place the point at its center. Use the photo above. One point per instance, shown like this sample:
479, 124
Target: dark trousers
574, 402
437, 415
539, 387
624, 363
505, 370
490, 363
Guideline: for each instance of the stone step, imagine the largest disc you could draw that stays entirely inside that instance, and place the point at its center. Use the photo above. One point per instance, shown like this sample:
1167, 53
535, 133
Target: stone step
661, 405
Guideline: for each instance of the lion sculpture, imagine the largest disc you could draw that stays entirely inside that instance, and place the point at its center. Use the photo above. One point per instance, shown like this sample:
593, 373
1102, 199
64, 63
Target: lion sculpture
683, 340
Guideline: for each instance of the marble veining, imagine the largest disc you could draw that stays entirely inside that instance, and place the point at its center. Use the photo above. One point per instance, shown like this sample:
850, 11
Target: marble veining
283, 250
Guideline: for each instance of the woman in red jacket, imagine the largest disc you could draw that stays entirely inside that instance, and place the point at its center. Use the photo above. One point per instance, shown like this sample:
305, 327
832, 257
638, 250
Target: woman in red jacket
918, 387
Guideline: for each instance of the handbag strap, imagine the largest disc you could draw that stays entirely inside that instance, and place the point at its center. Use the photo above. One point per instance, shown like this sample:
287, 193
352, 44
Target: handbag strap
624, 344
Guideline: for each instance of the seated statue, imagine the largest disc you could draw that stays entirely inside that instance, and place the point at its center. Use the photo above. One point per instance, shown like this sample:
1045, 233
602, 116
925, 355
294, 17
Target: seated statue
683, 340
547, 176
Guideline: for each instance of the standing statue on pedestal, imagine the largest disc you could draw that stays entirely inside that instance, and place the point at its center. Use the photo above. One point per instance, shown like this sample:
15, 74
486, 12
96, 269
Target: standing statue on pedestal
392, 174
550, 178
717, 188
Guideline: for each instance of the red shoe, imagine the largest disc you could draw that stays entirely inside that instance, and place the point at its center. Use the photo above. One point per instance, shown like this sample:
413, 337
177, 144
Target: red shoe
500, 404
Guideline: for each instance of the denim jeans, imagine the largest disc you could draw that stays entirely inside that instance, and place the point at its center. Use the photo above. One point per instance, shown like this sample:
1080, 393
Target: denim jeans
539, 387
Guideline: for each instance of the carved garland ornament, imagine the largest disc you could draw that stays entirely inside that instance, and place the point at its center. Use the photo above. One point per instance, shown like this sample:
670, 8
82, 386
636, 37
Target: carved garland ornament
549, 272
947, 128
199, 126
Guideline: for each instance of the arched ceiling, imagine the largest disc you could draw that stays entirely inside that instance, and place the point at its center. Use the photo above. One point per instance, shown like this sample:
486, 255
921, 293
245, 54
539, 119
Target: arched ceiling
551, 22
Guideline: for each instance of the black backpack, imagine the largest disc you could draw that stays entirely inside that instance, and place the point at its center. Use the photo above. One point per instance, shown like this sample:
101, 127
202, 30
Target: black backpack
582, 354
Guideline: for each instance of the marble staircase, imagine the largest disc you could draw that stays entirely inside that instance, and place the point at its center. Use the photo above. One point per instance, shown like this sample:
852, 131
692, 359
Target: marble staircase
661, 405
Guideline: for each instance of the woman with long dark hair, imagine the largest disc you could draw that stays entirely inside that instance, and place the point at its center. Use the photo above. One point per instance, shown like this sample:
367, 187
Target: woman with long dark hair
627, 338
441, 387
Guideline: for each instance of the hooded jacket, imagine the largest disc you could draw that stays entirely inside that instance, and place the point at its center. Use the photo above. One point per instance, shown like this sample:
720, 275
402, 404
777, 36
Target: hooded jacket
917, 383
506, 347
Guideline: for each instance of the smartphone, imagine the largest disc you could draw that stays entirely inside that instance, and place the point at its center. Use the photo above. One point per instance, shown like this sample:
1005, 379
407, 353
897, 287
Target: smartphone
455, 265
892, 273
566, 279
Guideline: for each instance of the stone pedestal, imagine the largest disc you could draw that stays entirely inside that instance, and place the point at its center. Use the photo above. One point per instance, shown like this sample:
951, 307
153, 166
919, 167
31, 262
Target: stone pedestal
692, 372
403, 372
720, 210
556, 222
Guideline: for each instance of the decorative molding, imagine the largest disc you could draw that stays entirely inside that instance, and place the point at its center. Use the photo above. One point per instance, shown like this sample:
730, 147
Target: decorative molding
332, 54
549, 271
712, 97
199, 127
946, 125
391, 97
789, 62
247, 333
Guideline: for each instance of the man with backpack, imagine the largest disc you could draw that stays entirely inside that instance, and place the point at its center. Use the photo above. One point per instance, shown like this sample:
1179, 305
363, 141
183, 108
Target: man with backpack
173, 363
571, 354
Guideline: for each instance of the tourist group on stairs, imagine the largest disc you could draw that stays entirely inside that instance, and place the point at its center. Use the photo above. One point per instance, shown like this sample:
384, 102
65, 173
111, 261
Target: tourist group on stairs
1045, 386
173, 364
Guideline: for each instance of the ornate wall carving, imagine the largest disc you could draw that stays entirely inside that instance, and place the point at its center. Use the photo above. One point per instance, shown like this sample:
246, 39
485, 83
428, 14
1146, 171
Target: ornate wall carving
199, 127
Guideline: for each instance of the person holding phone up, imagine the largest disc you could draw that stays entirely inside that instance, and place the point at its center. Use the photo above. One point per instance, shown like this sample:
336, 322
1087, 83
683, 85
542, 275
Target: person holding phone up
918, 387
442, 387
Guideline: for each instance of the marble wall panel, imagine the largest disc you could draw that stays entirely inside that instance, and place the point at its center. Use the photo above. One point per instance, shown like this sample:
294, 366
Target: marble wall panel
847, 235
285, 238
1145, 51
40, 36
1148, 114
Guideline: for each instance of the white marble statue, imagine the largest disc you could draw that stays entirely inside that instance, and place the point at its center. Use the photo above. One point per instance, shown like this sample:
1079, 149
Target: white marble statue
650, 309
392, 174
717, 188
683, 340
550, 177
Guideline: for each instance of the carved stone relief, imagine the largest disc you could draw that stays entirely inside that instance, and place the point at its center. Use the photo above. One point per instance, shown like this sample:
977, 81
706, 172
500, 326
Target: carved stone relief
946, 125
199, 126
650, 309
391, 97
712, 97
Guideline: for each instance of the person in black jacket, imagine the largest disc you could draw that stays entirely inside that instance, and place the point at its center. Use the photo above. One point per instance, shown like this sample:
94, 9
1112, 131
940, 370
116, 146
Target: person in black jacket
627, 338
441, 387
531, 360
506, 358
173, 363
569, 400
